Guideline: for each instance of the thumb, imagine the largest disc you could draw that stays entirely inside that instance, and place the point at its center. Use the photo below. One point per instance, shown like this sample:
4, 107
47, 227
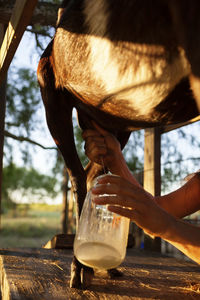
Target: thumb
102, 131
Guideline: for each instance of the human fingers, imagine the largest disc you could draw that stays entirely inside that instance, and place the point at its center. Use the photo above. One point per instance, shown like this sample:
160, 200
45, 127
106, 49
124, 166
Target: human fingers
131, 201
154, 225
90, 133
122, 211
129, 209
110, 139
95, 147
122, 201
116, 190
95, 141
126, 193
150, 217
101, 130
108, 179
95, 153
120, 184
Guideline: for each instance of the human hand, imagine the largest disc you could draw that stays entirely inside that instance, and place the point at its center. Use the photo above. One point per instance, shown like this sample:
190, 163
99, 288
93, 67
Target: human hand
100, 145
132, 201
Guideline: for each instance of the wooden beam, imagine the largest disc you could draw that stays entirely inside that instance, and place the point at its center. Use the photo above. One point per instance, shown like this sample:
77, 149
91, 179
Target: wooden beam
45, 13
152, 153
2, 121
168, 128
22, 13
2, 125
152, 177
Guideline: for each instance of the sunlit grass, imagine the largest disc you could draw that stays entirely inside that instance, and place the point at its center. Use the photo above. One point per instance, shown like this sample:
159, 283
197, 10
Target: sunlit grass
30, 228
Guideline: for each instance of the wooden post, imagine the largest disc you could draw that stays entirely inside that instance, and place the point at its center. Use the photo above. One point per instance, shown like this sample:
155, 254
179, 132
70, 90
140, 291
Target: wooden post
152, 178
2, 124
9, 41
22, 13
2, 121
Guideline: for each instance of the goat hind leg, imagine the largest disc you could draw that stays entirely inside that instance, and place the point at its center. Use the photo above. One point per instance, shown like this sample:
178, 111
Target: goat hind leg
58, 105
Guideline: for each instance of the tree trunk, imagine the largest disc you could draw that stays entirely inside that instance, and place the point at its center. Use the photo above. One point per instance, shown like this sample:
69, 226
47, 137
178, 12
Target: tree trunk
44, 14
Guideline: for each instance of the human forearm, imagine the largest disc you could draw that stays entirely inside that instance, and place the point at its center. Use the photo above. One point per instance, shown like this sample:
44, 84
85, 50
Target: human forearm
120, 168
184, 237
184, 201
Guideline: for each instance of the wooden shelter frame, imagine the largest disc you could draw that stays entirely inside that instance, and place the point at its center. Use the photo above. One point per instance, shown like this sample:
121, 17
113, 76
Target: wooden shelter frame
152, 155
9, 40
10, 37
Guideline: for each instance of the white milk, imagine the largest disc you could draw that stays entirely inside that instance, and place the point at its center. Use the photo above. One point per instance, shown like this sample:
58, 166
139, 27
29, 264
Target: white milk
98, 255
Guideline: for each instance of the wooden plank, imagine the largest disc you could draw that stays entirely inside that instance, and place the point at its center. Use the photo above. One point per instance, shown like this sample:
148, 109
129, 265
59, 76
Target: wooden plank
66, 241
152, 177
61, 241
45, 13
44, 274
2, 120
176, 126
20, 18
2, 125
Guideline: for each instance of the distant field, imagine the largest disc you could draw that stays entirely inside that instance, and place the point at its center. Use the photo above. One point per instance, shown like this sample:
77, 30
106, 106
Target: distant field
30, 226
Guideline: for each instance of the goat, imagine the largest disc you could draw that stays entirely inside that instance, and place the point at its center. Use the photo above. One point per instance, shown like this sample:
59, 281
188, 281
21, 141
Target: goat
124, 64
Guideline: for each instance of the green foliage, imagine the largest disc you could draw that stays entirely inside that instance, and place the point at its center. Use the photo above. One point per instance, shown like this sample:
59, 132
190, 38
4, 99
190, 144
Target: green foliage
80, 145
133, 151
22, 178
23, 120
28, 182
177, 160
23, 100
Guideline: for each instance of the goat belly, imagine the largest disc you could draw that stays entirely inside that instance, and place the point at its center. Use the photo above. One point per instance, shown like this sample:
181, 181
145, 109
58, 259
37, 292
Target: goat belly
117, 76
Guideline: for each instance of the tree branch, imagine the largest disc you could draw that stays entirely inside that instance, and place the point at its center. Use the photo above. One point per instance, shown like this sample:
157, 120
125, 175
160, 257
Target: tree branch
181, 160
39, 31
45, 13
25, 139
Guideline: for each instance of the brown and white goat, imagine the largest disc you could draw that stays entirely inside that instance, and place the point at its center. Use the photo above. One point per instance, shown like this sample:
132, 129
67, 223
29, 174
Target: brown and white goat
124, 64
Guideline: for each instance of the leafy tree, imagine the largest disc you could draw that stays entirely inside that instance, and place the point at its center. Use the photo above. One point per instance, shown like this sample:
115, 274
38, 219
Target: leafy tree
28, 182
22, 122
134, 151
176, 161
22, 103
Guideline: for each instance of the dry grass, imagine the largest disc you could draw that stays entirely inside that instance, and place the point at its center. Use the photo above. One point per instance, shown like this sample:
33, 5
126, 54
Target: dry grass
31, 228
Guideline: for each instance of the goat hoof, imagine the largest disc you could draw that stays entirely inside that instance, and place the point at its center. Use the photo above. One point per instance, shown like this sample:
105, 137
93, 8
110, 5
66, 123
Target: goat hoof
112, 273
87, 275
75, 281
81, 276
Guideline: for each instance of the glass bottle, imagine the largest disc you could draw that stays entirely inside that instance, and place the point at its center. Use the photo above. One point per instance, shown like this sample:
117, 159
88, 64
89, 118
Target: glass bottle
101, 238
